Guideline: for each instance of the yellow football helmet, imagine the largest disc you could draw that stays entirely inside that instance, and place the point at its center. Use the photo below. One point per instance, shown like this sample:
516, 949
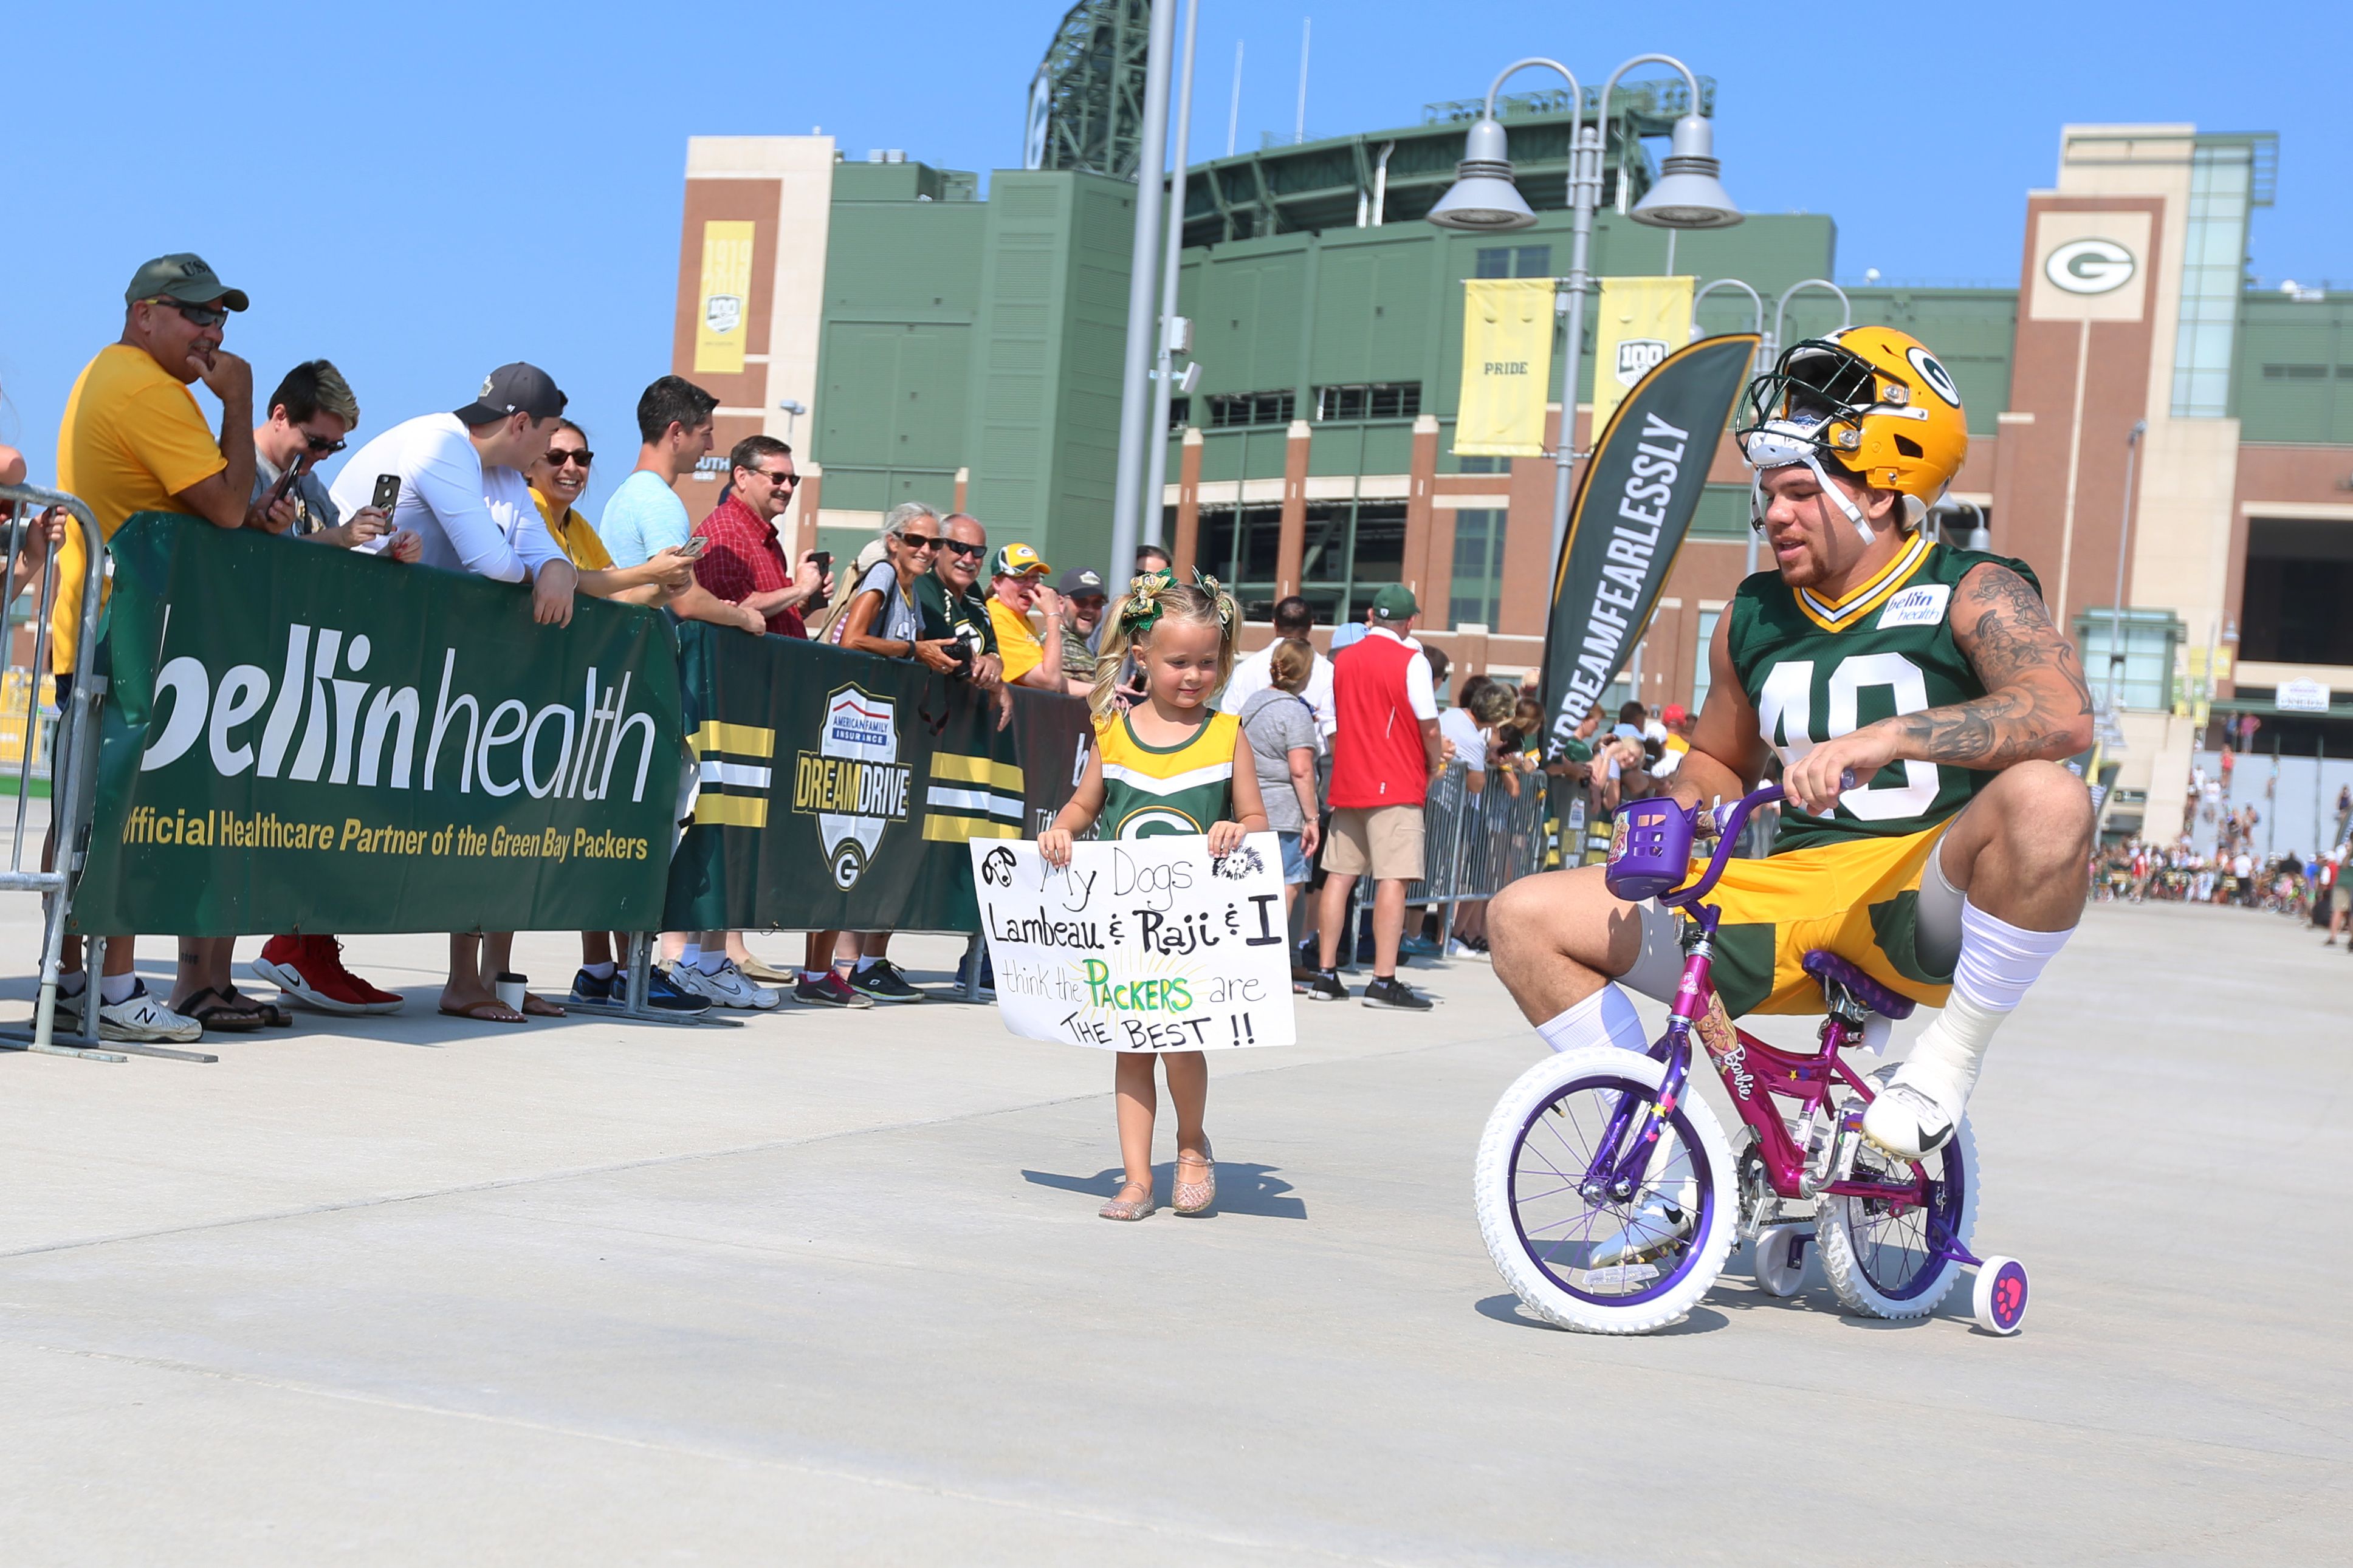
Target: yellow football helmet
1870, 399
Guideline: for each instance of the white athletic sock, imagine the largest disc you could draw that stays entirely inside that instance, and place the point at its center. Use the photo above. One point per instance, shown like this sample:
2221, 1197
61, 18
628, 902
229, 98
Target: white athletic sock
866, 963
1999, 961
601, 970
689, 955
712, 963
114, 988
72, 985
1605, 1018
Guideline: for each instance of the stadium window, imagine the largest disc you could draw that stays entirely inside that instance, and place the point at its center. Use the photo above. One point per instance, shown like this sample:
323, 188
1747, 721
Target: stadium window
1514, 261
1482, 465
1478, 568
2143, 678
1230, 410
1701, 673
1380, 400
1180, 413
2296, 372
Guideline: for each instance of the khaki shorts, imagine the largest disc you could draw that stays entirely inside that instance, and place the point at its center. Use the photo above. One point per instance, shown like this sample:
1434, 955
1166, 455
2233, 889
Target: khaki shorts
1384, 840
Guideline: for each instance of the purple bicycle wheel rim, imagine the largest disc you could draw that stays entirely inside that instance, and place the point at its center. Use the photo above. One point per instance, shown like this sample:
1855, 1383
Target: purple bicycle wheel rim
1700, 1175
1950, 1193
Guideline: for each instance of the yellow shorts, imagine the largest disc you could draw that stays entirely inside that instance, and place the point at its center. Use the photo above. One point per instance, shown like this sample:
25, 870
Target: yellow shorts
1859, 898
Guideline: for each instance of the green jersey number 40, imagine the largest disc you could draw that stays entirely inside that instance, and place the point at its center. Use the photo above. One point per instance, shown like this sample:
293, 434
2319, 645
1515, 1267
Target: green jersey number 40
1785, 716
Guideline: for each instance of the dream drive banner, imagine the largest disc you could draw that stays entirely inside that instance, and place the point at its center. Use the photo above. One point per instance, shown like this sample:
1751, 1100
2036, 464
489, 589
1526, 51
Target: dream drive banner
1507, 327
1634, 503
300, 739
838, 789
1636, 322
1140, 945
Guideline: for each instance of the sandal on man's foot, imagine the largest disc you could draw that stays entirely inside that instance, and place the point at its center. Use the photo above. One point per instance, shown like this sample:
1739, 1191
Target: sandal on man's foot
270, 1013
1123, 1207
214, 1011
1194, 1197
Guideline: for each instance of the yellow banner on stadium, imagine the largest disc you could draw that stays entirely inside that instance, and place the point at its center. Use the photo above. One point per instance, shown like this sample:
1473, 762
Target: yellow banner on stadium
1507, 326
724, 320
1641, 321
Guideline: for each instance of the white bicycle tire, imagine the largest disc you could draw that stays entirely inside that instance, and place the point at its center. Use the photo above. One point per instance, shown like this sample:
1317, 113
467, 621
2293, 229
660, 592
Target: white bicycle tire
1842, 1264
1491, 1183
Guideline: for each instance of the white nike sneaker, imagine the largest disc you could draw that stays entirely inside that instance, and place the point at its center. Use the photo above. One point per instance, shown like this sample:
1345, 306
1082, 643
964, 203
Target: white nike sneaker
1657, 1223
141, 1019
1907, 1122
727, 988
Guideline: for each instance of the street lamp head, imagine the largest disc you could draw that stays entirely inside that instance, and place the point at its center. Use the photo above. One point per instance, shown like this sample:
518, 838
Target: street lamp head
1482, 196
1688, 195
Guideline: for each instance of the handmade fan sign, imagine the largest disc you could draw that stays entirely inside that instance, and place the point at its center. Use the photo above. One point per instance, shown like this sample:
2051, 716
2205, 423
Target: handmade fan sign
1143, 944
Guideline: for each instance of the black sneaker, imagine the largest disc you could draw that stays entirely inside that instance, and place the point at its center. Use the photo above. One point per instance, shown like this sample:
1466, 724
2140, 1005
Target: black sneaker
1326, 987
1392, 992
588, 991
663, 995
882, 982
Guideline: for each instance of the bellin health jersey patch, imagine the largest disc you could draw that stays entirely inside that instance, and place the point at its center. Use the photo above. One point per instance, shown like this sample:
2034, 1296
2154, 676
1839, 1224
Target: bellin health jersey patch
1921, 606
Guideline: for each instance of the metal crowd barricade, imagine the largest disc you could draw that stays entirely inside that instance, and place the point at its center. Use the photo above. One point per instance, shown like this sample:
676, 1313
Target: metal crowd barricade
23, 508
1477, 842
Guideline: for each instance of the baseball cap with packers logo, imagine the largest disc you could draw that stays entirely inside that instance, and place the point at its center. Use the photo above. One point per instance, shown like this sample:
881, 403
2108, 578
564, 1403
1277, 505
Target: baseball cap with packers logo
182, 275
516, 388
1020, 561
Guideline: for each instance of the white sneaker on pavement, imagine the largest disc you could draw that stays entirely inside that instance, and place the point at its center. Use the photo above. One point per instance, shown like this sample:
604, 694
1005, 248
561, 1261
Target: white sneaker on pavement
139, 1017
727, 988
1657, 1223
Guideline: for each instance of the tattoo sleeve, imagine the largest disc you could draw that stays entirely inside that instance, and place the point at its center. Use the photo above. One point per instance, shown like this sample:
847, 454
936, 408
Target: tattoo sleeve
2036, 703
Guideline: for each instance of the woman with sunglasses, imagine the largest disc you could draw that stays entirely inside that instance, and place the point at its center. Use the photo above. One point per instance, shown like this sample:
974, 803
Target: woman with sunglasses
883, 616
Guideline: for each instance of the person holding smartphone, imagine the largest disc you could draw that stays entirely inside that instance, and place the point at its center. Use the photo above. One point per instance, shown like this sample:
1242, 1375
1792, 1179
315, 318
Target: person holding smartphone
310, 415
746, 563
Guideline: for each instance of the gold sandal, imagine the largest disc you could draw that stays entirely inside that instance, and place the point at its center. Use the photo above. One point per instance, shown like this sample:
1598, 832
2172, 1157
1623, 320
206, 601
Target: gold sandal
1194, 1197
1122, 1208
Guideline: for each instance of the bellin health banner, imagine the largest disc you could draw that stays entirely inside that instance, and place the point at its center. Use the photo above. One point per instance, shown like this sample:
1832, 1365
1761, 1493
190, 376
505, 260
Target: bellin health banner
1634, 503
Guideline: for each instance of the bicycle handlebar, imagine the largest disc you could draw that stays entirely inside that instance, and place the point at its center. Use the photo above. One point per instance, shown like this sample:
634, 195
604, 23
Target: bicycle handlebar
1651, 849
1733, 818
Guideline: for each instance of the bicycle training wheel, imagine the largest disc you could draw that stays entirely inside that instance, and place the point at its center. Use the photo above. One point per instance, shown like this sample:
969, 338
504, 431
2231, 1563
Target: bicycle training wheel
1883, 1263
1604, 1266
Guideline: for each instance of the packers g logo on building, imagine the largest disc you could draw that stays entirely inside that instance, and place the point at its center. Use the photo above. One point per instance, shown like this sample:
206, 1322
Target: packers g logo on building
2089, 267
853, 784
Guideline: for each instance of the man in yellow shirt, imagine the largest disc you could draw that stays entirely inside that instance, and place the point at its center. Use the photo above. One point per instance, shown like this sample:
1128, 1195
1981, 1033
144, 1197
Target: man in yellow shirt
1018, 582
133, 440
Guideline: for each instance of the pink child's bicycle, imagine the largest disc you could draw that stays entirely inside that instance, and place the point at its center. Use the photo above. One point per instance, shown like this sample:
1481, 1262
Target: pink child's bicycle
1609, 1197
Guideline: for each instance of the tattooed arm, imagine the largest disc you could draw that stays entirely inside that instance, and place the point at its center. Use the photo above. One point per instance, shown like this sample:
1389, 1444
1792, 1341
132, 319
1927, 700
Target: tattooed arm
2036, 704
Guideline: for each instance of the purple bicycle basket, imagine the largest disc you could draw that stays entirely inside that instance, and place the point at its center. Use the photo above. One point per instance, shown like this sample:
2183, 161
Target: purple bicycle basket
1650, 849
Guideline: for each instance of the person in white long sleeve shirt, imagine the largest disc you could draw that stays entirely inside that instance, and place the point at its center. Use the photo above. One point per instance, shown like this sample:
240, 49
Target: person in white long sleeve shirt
463, 494
462, 490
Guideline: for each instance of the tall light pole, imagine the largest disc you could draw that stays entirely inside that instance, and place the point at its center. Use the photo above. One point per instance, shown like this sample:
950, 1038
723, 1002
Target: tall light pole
2123, 532
1772, 349
1757, 301
1156, 477
1143, 256
1484, 200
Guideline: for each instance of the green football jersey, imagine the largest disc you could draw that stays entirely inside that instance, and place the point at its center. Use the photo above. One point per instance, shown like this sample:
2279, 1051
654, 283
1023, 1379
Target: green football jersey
1817, 670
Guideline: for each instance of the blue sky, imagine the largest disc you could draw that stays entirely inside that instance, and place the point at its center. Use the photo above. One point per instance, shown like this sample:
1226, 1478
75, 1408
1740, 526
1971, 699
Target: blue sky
424, 192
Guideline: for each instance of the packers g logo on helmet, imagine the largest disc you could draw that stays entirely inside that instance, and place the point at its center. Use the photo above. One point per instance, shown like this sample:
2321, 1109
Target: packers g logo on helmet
1870, 399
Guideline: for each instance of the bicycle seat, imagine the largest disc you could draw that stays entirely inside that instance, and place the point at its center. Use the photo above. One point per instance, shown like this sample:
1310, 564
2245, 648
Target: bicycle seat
1825, 965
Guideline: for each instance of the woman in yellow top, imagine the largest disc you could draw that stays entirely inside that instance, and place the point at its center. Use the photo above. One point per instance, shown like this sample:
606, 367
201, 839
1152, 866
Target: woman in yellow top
558, 480
1171, 764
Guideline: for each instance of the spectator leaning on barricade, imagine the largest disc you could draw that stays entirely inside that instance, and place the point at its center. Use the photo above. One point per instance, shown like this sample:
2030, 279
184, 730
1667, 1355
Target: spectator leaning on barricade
644, 516
1283, 740
1017, 582
1383, 754
745, 564
1081, 592
133, 440
954, 609
310, 415
884, 618
1295, 619
463, 493
558, 478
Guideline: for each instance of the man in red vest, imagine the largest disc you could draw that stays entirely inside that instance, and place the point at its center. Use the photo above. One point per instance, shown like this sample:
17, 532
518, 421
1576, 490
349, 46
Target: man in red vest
1383, 754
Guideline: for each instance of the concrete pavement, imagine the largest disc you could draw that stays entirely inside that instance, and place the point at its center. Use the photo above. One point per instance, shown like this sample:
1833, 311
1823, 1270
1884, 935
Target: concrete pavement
830, 1288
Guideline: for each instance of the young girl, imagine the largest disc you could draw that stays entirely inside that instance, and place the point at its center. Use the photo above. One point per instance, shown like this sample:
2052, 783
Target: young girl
1171, 763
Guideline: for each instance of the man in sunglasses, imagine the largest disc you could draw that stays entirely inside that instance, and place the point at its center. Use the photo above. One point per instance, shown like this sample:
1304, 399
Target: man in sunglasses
310, 415
745, 564
133, 440
953, 603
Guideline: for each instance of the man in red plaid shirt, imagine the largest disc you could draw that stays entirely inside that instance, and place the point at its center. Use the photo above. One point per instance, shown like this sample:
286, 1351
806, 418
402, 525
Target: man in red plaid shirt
746, 563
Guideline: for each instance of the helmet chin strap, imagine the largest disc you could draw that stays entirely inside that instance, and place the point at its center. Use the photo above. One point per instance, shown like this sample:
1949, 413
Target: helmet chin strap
1756, 496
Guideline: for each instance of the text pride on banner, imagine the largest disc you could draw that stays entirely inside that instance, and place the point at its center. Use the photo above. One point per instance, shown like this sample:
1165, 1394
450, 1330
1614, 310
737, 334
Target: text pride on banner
307, 740
1633, 505
1507, 327
839, 789
1139, 944
1636, 322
